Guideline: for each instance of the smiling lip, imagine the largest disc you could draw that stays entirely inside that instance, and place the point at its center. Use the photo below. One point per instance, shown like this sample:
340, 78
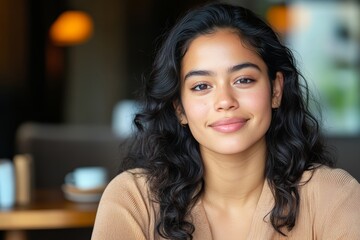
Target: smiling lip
228, 125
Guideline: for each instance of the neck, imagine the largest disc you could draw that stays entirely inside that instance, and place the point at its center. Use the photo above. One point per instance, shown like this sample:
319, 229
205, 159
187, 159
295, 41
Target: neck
234, 179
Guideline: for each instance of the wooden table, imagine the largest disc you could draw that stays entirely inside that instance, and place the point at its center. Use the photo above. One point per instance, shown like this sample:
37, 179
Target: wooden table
48, 210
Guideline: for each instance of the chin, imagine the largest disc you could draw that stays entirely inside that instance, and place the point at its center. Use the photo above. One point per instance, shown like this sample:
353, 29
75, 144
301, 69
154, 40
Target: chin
228, 149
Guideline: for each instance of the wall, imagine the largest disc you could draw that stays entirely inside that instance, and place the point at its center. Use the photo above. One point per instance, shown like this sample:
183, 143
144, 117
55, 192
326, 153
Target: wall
96, 70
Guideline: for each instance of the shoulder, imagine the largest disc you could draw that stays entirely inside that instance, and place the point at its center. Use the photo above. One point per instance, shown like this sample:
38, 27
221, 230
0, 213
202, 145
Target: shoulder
128, 179
328, 179
128, 184
126, 203
324, 174
328, 183
332, 197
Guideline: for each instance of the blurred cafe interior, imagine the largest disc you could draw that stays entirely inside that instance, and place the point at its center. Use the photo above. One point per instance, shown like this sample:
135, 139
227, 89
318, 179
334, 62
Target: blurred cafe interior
70, 71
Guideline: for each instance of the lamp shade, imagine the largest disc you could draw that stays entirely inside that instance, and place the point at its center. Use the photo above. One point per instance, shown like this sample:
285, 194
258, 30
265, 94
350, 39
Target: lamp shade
71, 28
278, 17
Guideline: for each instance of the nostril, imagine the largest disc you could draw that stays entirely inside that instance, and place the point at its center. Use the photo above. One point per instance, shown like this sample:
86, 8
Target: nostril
228, 103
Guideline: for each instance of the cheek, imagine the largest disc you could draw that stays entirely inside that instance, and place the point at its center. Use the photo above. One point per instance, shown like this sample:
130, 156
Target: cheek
257, 101
195, 110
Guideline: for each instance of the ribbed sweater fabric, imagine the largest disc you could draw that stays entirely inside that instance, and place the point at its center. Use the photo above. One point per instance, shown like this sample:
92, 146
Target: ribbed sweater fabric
329, 210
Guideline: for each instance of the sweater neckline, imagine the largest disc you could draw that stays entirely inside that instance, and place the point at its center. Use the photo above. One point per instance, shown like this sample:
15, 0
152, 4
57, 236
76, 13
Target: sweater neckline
260, 221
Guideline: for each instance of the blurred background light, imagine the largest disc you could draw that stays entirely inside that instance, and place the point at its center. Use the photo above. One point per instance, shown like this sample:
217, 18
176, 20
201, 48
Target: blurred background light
277, 16
325, 37
71, 28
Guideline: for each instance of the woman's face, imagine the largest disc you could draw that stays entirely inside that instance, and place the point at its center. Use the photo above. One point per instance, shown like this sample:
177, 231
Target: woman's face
226, 94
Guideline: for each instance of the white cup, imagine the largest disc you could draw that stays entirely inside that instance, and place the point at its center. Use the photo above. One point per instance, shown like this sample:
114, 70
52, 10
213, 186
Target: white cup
87, 177
7, 183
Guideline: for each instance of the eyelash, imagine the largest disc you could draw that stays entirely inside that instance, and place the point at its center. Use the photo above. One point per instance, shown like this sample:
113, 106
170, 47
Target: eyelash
248, 80
196, 87
238, 81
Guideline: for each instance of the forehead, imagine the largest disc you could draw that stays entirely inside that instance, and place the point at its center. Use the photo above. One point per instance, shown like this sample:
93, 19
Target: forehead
222, 48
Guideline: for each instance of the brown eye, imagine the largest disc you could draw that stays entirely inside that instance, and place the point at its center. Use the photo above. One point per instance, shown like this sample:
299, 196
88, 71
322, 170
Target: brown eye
200, 87
244, 81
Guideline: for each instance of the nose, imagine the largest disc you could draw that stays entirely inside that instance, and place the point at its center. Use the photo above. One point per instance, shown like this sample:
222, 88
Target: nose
226, 99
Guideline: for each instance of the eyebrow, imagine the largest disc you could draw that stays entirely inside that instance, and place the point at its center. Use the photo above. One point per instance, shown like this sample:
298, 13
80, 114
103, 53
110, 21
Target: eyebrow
230, 70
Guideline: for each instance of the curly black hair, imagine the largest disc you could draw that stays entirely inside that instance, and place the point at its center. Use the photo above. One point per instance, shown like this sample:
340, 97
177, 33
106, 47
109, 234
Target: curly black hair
169, 153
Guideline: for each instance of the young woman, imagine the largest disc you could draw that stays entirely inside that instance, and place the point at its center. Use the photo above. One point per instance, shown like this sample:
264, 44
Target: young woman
227, 148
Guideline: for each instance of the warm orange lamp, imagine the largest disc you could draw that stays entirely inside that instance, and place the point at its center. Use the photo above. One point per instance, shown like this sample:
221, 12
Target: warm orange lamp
278, 17
71, 28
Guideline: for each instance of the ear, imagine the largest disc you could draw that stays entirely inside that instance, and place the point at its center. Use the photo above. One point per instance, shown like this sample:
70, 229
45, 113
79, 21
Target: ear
179, 110
278, 85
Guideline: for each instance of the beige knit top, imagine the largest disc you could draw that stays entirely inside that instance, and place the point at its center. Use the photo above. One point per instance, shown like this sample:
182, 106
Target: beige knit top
329, 210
